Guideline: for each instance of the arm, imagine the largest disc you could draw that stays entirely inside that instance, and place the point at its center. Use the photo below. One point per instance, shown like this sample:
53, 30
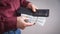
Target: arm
7, 21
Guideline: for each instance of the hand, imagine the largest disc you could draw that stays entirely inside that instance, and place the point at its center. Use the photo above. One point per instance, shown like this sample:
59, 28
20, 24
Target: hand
31, 6
21, 23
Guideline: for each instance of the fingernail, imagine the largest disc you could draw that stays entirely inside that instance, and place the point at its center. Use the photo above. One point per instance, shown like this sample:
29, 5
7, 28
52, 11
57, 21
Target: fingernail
34, 23
34, 10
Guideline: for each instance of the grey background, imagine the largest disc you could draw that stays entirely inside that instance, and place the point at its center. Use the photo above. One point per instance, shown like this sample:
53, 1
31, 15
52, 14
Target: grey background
52, 25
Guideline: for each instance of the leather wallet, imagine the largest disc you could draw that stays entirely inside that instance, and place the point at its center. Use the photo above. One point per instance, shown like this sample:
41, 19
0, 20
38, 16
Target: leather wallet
38, 13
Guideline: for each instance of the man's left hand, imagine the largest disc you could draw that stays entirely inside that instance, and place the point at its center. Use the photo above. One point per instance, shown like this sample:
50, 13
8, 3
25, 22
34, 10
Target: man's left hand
31, 6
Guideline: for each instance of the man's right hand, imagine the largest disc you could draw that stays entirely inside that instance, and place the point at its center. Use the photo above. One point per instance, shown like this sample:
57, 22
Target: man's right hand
21, 23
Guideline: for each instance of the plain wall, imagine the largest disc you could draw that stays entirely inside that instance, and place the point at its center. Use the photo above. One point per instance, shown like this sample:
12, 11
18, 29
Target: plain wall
52, 25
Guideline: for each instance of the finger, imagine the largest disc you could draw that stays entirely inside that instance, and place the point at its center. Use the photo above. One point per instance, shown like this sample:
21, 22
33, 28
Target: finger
25, 17
33, 9
29, 24
36, 8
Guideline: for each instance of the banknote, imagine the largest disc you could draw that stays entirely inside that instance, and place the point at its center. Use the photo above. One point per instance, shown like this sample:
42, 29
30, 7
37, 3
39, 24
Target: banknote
34, 19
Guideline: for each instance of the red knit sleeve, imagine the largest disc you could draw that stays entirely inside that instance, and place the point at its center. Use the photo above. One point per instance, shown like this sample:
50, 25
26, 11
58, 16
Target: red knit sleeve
10, 23
7, 24
7, 19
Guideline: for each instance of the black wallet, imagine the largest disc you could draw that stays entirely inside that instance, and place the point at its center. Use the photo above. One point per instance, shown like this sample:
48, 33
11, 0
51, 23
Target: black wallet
39, 12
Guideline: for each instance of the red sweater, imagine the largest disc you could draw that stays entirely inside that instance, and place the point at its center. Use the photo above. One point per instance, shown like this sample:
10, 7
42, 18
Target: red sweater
7, 9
